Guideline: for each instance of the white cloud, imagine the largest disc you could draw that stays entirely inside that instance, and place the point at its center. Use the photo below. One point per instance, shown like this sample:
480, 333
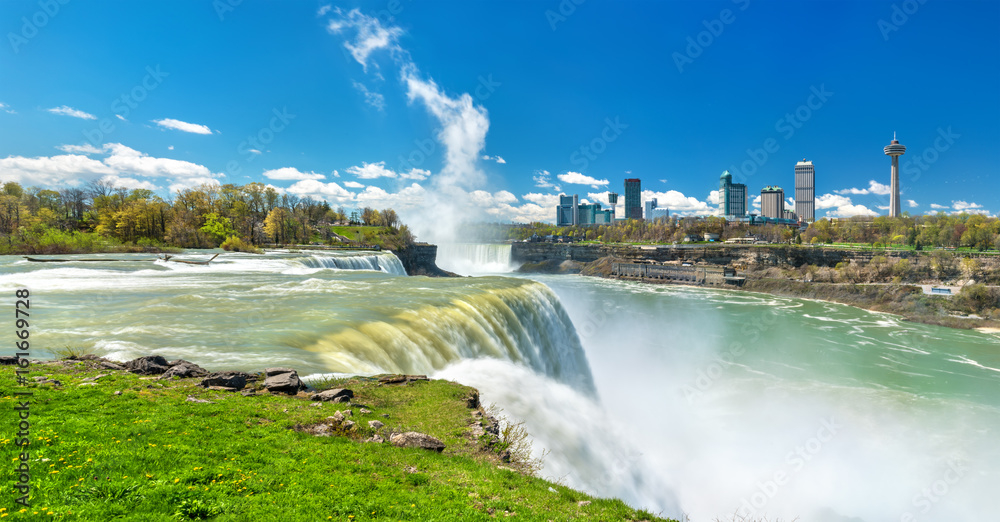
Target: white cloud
331, 192
938, 207
371, 171
415, 173
682, 205
541, 178
51, 170
291, 174
323, 10
65, 110
581, 179
912, 203
849, 210
186, 183
409, 198
120, 117
962, 205
544, 200
874, 187
121, 162
6, 108
354, 185
194, 128
497, 159
714, 198
129, 183
831, 201
374, 99
170, 147
756, 201
126, 160
85, 148
254, 151
370, 35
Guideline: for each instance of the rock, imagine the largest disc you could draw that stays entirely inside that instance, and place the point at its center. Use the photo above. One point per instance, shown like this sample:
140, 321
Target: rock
8, 360
235, 380
248, 392
472, 401
552, 489
193, 399
348, 424
148, 365
386, 415
364, 411
316, 404
348, 413
376, 439
96, 377
119, 392
87, 384
334, 395
222, 388
413, 439
583, 503
321, 430
401, 379
337, 417
105, 364
282, 380
184, 370
374, 424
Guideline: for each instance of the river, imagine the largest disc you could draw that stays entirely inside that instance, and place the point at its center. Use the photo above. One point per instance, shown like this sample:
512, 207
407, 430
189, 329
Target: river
676, 399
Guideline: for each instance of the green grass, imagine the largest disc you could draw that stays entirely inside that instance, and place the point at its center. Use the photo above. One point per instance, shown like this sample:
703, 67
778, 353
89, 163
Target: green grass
356, 233
148, 454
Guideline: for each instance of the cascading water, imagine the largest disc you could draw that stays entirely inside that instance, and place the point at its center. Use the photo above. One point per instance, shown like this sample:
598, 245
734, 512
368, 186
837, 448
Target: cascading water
384, 262
475, 258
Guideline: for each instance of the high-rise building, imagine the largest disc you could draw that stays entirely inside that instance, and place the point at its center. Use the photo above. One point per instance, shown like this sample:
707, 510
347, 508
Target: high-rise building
587, 213
732, 197
633, 198
895, 150
568, 210
654, 211
772, 202
612, 202
805, 190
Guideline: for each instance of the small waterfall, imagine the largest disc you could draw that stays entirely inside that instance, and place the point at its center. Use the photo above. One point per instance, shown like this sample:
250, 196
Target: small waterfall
524, 324
383, 262
475, 258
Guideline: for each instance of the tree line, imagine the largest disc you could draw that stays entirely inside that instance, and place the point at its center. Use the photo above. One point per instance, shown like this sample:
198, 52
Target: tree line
199, 217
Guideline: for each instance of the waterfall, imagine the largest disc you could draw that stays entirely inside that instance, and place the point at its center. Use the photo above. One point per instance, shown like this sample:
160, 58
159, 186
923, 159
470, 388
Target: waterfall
382, 262
475, 258
524, 324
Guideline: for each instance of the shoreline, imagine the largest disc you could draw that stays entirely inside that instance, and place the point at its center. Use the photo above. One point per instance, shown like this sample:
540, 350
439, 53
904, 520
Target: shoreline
793, 289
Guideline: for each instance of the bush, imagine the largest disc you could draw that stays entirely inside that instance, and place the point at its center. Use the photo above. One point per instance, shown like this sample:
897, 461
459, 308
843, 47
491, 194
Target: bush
237, 244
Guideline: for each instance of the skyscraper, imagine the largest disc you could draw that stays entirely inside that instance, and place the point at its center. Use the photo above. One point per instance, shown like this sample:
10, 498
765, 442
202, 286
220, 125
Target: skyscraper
633, 198
805, 190
568, 210
612, 202
772, 202
732, 197
895, 150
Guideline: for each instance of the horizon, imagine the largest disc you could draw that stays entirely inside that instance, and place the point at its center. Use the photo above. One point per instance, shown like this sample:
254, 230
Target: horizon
489, 112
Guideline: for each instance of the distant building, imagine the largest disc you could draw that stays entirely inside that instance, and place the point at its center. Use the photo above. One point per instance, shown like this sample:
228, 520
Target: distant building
567, 211
587, 213
772, 202
613, 202
894, 150
604, 217
653, 211
788, 214
805, 190
633, 198
732, 197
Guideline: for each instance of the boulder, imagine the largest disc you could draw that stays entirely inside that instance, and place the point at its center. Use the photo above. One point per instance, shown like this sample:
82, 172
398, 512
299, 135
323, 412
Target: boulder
376, 439
334, 395
348, 424
472, 401
337, 417
235, 380
105, 364
8, 360
148, 365
374, 424
184, 370
413, 439
282, 380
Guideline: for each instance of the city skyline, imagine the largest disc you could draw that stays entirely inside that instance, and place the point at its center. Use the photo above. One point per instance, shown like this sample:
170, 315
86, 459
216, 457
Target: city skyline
408, 105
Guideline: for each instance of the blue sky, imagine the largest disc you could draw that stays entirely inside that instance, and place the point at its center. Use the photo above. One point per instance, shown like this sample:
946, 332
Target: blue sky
491, 109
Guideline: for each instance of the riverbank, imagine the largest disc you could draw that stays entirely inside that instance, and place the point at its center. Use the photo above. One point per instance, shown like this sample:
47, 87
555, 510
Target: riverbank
108, 443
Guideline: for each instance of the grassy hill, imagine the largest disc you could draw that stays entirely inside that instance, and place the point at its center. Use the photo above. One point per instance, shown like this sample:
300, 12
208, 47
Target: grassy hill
111, 445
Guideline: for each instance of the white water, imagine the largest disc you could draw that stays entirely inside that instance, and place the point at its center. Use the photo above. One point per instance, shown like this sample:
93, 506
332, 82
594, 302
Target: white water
385, 262
475, 258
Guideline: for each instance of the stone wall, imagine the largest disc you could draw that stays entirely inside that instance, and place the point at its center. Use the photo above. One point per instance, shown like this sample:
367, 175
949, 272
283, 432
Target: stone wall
421, 259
